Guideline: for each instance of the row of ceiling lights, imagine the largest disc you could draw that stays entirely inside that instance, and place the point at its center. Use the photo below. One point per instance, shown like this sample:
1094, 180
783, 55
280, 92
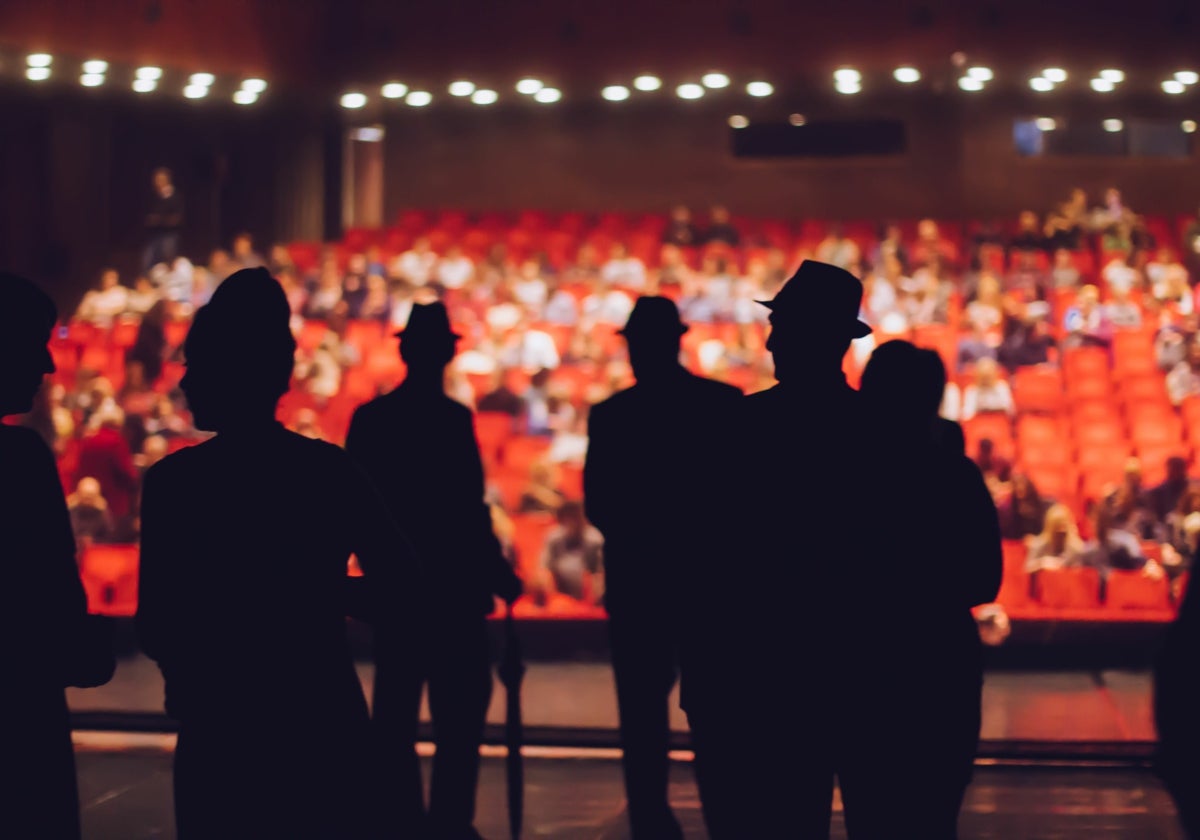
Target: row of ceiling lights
145, 79
1112, 125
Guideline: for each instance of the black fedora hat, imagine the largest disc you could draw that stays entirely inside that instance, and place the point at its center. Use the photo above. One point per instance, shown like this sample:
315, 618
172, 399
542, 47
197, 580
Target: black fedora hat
825, 294
428, 320
653, 314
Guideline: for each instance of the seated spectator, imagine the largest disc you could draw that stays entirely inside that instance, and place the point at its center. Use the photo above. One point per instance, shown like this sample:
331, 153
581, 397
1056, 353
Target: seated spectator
167, 421
354, 283
1165, 497
1183, 380
1129, 503
1179, 554
297, 296
986, 310
673, 270
103, 305
376, 301
105, 456
1023, 513
1064, 274
500, 398
455, 270
720, 228
573, 556
154, 449
89, 513
1122, 312
562, 309
695, 306
975, 347
1114, 222
1168, 281
529, 349
1113, 548
679, 230
1068, 225
322, 371
988, 393
528, 287
280, 260
624, 270
1028, 238
1119, 274
606, 305
244, 255
1173, 525
926, 298
541, 494
326, 299
1027, 340
1026, 278
1058, 546
840, 250
220, 266
951, 408
881, 290
930, 245
415, 266
1086, 323
747, 290
569, 444
141, 297
1172, 339
891, 244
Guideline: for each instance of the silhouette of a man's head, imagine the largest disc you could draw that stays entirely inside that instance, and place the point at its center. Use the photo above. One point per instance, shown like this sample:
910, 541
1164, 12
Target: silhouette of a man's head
427, 343
240, 352
27, 316
653, 333
814, 317
905, 381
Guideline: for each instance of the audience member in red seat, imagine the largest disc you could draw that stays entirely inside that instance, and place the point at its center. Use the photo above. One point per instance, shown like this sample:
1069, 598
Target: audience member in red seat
280, 260
1114, 548
1183, 380
500, 398
1064, 274
573, 556
1178, 556
455, 270
528, 287
931, 246
90, 521
986, 310
1069, 223
104, 455
1168, 282
881, 290
997, 471
220, 265
1058, 546
643, 488
987, 393
562, 309
541, 494
1028, 238
249, 664
1023, 513
890, 244
1122, 312
1027, 339
976, 347
926, 297
105, 304
720, 228
673, 269
1025, 277
1130, 506
150, 344
624, 270
141, 297
840, 250
680, 230
419, 448
415, 267
354, 283
376, 301
45, 612
605, 305
1118, 273
243, 253
1114, 222
1173, 523
1086, 323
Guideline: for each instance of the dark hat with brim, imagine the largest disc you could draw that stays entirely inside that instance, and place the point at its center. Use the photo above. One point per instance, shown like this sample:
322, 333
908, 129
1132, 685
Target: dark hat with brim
428, 320
654, 315
824, 294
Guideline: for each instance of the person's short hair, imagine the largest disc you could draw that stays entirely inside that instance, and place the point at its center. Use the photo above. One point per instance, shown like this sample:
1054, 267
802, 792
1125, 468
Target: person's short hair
24, 308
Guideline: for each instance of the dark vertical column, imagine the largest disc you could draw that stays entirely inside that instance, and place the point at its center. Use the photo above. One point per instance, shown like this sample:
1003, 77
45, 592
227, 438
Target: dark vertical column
333, 148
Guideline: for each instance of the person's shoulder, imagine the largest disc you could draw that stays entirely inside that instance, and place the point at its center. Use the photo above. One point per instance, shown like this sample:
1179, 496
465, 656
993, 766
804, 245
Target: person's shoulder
616, 402
715, 389
20, 444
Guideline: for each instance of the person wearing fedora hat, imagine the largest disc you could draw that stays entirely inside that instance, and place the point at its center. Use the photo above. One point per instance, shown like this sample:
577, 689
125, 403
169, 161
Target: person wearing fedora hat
243, 590
644, 477
419, 447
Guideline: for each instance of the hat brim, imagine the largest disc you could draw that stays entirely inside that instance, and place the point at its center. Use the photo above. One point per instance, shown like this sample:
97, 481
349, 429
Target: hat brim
860, 329
626, 331
454, 335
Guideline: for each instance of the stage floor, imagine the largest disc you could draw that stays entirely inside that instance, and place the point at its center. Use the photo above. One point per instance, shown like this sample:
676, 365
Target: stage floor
1062, 706
126, 795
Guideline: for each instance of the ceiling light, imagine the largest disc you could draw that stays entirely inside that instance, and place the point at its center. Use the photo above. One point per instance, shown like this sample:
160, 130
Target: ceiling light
393, 90
484, 96
254, 85
715, 80
39, 60
95, 67
461, 88
615, 93
1173, 86
202, 79
354, 100
368, 134
1113, 125
1188, 77
1188, 126
970, 83
1102, 85
144, 85
548, 95
1045, 124
796, 119
847, 75
151, 73
847, 87
1041, 84
529, 86
1114, 76
689, 91
1055, 74
195, 91
983, 74
418, 98
91, 79
907, 75
37, 74
738, 121
760, 89
245, 97
647, 82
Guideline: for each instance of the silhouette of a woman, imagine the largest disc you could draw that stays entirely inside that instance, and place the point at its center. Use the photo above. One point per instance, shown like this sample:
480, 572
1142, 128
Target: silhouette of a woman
245, 545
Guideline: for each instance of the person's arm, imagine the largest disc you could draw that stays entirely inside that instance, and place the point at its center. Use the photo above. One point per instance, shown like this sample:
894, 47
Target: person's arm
598, 480
157, 584
978, 527
500, 575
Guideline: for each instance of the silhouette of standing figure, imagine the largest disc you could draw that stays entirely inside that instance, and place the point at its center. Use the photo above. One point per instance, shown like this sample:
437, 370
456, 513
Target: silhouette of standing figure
45, 606
1177, 712
244, 590
419, 446
648, 451
935, 554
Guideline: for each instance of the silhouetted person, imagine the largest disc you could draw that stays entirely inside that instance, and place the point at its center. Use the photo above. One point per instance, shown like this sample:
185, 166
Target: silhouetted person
244, 590
649, 447
934, 553
164, 221
44, 604
420, 448
1176, 701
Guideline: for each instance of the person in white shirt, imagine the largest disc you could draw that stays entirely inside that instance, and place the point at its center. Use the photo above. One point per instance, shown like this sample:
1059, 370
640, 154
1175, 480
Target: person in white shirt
561, 309
531, 350
1169, 280
988, 393
624, 270
455, 270
606, 305
528, 287
1119, 274
101, 306
415, 266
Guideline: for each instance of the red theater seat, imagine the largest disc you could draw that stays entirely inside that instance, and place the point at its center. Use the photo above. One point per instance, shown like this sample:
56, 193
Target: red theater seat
1135, 590
1085, 362
1068, 588
109, 574
492, 429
